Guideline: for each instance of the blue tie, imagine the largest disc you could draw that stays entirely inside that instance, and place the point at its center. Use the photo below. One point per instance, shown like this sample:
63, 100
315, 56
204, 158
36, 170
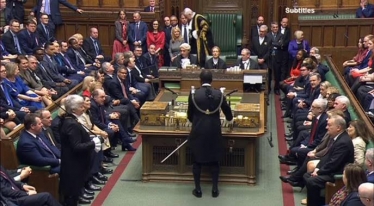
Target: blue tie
137, 32
96, 47
185, 34
16, 43
46, 146
5, 90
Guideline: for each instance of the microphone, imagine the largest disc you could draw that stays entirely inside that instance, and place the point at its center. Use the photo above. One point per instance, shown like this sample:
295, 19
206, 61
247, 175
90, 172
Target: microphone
233, 91
173, 92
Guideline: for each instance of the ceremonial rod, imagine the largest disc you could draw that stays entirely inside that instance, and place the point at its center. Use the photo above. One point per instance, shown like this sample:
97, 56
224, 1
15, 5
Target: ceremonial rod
174, 151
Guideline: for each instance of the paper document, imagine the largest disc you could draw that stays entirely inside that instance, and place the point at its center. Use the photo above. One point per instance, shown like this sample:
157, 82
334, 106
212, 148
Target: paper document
252, 79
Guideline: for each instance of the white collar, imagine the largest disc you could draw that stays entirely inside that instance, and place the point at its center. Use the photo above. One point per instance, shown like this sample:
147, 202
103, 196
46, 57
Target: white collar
206, 85
32, 134
336, 137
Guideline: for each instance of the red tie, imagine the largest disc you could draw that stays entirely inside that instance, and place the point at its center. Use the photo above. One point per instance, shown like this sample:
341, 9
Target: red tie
123, 89
311, 139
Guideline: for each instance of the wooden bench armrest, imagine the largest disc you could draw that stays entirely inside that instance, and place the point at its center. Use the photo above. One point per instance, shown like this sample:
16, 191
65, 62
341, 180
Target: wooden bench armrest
35, 168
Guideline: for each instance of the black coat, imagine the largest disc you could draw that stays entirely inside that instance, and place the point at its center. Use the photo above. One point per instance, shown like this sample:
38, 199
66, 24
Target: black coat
76, 154
205, 138
220, 64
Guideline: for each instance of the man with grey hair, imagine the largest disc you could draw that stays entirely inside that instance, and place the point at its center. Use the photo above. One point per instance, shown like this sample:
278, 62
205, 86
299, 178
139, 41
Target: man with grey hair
369, 164
341, 152
261, 48
366, 193
137, 35
200, 36
342, 103
185, 58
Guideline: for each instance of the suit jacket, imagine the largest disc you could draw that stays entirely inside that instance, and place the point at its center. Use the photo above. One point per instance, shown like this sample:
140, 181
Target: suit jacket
293, 48
261, 50
16, 9
74, 59
286, 38
352, 200
51, 64
252, 64
31, 151
148, 9
220, 64
143, 28
314, 94
139, 76
254, 32
368, 12
151, 65
276, 45
88, 46
340, 153
43, 36
6, 185
114, 89
322, 70
178, 60
319, 133
55, 10
98, 115
371, 178
9, 45
32, 81
48, 133
28, 41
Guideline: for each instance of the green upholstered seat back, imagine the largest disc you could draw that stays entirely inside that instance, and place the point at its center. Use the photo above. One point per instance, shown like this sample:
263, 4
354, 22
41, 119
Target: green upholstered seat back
227, 32
222, 57
254, 58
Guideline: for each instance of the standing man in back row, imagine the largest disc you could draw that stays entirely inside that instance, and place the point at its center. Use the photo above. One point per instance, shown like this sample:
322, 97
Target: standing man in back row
206, 145
200, 36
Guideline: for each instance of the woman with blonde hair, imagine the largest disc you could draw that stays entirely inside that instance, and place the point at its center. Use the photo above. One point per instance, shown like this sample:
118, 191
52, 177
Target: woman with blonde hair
120, 44
88, 85
175, 42
298, 43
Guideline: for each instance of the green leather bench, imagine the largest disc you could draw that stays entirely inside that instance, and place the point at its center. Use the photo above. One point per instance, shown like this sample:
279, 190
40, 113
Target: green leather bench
227, 32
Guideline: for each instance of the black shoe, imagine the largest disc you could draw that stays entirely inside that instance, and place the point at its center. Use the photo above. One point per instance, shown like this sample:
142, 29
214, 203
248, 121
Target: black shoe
110, 154
289, 138
295, 183
96, 180
83, 201
288, 135
89, 192
128, 148
197, 193
106, 171
101, 177
292, 171
93, 187
107, 159
215, 193
131, 134
87, 197
284, 178
129, 140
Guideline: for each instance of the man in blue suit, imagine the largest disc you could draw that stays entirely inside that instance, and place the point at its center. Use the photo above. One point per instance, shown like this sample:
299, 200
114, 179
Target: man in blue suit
138, 33
52, 9
28, 39
365, 10
33, 147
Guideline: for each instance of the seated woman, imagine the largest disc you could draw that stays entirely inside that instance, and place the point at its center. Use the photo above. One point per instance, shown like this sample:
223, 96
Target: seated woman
175, 43
20, 91
88, 85
295, 71
353, 176
359, 134
356, 60
33, 82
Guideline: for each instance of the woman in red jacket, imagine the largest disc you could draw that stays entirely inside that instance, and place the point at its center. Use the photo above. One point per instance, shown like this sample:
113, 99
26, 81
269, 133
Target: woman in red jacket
157, 37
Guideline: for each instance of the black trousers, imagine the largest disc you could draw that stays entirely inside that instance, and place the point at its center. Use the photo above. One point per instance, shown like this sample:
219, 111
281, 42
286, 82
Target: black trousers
43, 198
314, 186
214, 169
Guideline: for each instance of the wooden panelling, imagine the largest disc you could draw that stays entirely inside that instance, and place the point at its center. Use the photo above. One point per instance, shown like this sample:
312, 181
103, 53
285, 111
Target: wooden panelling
328, 3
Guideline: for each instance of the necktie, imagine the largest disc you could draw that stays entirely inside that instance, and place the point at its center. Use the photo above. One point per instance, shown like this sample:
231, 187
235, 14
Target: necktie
67, 60
16, 44
46, 32
96, 47
49, 78
47, 7
102, 114
152, 9
123, 88
137, 35
185, 34
6, 177
6, 93
79, 57
313, 132
50, 137
46, 146
274, 35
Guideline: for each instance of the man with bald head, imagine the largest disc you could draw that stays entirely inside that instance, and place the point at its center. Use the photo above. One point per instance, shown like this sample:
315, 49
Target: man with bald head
366, 193
92, 45
369, 164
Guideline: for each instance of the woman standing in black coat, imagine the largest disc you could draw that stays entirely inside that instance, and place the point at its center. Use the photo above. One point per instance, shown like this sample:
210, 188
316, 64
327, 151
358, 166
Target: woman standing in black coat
205, 139
76, 151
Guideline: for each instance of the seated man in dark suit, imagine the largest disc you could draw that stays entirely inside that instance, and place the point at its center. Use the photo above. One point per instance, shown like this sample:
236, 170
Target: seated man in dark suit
185, 58
141, 61
50, 63
46, 118
65, 66
80, 60
246, 62
44, 31
34, 148
215, 62
17, 193
28, 38
93, 46
151, 63
112, 127
340, 154
366, 10
10, 38
369, 164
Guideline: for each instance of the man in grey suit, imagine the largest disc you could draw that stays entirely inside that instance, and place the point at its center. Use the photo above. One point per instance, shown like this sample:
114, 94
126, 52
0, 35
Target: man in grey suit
246, 63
